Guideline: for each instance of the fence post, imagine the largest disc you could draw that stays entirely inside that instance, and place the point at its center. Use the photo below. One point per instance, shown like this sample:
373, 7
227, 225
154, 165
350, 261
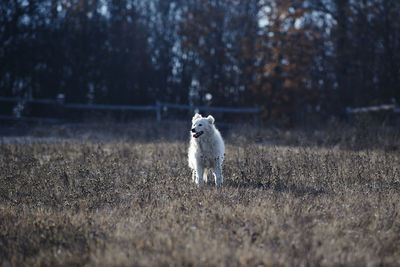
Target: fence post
158, 110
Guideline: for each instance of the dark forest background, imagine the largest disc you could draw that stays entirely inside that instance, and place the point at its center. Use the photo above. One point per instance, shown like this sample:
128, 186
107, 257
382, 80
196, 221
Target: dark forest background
291, 57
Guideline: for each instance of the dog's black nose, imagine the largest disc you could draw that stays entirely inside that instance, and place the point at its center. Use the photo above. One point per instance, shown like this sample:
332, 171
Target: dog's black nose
193, 130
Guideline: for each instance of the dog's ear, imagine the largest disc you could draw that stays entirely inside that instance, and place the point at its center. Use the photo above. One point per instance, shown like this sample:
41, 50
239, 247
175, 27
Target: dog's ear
210, 119
196, 116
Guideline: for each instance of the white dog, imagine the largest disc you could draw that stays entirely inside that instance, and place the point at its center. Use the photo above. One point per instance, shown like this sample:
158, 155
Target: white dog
206, 150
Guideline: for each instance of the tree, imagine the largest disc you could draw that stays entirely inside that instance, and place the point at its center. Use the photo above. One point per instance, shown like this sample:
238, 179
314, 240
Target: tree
283, 83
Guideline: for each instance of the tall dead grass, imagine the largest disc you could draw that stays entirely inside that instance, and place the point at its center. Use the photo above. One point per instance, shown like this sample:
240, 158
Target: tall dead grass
124, 197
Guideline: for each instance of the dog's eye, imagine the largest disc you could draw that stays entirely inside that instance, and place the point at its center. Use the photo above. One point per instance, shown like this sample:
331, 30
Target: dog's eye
200, 124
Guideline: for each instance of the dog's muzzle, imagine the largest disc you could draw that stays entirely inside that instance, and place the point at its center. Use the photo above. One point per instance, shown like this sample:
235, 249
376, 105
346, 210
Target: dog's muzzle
198, 134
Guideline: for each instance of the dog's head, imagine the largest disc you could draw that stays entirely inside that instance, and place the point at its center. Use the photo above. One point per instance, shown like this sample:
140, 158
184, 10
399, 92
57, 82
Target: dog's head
201, 125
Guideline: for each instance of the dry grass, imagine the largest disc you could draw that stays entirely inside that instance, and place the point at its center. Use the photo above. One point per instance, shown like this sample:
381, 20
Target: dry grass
112, 201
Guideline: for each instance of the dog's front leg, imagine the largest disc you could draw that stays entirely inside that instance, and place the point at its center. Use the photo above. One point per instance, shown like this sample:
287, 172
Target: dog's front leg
218, 175
205, 175
194, 176
199, 174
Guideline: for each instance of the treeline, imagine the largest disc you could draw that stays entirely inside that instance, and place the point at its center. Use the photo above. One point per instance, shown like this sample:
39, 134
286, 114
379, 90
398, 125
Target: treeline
292, 57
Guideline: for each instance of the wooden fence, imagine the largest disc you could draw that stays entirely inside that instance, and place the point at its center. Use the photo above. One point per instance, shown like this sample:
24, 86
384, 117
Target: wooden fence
382, 108
157, 108
388, 113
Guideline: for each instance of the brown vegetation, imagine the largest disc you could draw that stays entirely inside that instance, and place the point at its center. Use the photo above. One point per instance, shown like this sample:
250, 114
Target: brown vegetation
308, 198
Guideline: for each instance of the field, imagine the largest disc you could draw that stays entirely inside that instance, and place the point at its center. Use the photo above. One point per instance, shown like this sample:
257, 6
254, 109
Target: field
117, 195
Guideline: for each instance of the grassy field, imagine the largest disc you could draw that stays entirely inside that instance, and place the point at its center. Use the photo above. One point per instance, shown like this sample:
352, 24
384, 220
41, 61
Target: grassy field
123, 196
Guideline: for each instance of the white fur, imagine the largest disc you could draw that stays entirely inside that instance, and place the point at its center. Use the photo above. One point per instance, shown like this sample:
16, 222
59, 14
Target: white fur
207, 151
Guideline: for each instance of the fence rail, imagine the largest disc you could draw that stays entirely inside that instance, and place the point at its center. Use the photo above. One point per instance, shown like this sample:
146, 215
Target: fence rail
159, 107
386, 111
255, 111
109, 107
390, 107
207, 108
